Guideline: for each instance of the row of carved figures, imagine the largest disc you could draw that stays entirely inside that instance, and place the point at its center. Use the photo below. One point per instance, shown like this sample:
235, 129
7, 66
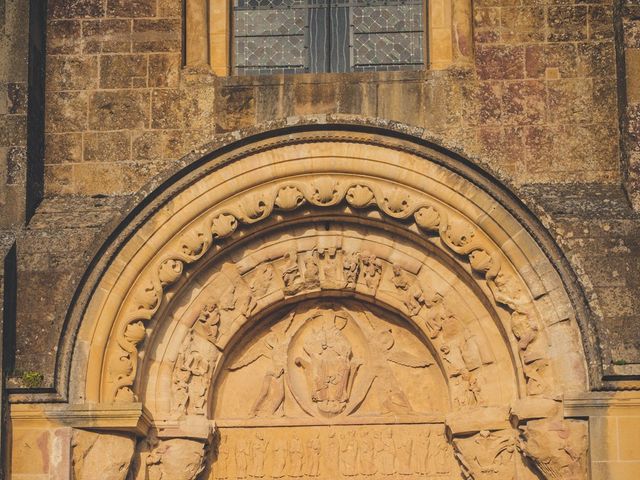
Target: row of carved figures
350, 454
463, 353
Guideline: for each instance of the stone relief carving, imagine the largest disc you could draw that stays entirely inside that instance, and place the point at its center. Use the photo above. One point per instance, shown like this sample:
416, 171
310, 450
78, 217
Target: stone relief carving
557, 447
291, 275
262, 282
328, 361
88, 455
349, 452
383, 352
172, 459
313, 269
410, 289
487, 455
330, 366
195, 362
351, 269
331, 274
273, 347
370, 270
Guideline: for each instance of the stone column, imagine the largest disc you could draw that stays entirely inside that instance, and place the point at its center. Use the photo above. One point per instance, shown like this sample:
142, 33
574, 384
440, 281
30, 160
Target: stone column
197, 42
462, 31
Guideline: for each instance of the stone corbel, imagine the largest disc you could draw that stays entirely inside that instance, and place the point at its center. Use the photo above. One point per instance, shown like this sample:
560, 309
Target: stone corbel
174, 449
556, 446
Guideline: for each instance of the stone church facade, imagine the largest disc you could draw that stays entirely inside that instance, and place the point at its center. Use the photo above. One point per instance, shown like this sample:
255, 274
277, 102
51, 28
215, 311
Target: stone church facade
287, 239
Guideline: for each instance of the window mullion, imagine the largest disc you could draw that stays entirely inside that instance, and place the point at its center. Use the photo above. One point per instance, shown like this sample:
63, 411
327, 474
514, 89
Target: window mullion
319, 36
340, 26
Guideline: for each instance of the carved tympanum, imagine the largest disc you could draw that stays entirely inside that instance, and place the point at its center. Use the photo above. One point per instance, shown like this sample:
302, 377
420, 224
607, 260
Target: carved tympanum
327, 360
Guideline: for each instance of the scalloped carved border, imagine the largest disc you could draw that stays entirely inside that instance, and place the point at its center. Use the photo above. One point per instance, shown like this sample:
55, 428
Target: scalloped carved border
456, 233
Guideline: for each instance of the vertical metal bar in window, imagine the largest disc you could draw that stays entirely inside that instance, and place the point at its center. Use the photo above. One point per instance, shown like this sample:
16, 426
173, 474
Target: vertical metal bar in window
426, 20
319, 39
340, 27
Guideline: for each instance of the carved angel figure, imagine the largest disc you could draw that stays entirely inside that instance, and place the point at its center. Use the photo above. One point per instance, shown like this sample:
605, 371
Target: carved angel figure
382, 343
274, 346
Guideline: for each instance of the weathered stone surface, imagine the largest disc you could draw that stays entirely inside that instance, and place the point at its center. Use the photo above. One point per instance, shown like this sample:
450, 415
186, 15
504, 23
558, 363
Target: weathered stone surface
72, 72
540, 107
156, 35
109, 454
67, 111
107, 146
75, 8
106, 36
109, 110
123, 71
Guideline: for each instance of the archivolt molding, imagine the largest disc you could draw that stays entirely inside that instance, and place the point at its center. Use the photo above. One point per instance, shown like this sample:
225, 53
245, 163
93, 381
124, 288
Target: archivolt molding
157, 324
455, 233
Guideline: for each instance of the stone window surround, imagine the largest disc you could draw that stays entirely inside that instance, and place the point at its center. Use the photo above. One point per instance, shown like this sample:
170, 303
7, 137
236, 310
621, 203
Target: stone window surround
208, 34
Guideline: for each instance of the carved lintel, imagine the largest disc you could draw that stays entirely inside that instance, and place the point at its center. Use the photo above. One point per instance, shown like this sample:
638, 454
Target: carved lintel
557, 447
191, 426
472, 421
533, 408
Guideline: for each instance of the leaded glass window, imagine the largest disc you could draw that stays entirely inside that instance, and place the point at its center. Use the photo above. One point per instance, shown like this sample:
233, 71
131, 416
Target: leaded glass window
295, 36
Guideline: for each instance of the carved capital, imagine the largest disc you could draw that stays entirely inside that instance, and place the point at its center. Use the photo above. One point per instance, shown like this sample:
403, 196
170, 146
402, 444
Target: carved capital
487, 455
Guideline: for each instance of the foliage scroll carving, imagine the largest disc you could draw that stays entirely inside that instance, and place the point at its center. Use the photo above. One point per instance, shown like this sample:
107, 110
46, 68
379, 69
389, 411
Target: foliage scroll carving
455, 233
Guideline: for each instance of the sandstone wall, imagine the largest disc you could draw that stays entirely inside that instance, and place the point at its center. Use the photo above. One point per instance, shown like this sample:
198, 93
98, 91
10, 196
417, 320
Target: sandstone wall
541, 106
540, 112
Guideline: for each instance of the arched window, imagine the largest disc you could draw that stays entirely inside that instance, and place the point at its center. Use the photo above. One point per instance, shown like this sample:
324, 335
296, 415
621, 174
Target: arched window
295, 36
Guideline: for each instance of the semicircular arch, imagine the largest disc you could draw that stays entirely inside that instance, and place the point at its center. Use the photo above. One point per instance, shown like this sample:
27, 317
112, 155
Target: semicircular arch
323, 172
